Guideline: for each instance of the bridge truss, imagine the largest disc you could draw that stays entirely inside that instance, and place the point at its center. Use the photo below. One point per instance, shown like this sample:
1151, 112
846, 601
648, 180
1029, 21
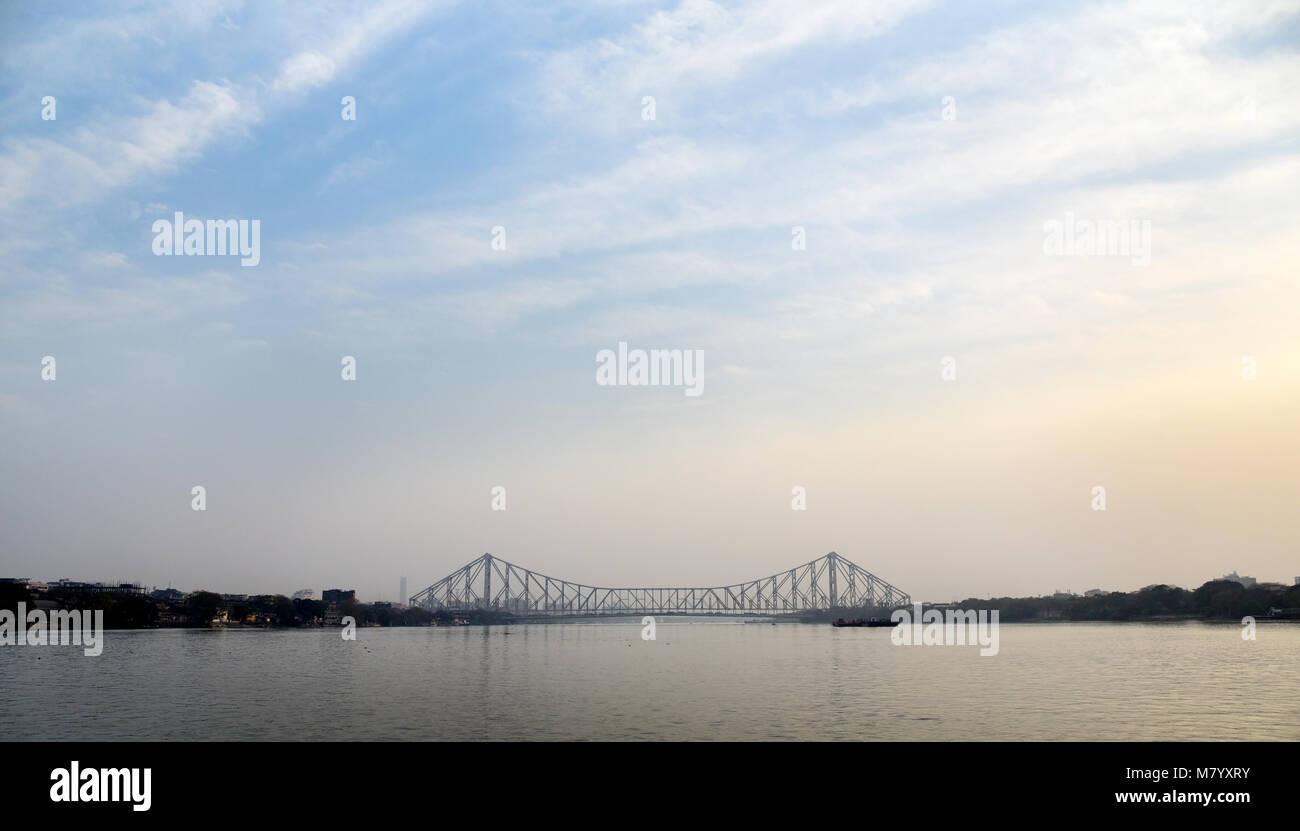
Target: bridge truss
828, 582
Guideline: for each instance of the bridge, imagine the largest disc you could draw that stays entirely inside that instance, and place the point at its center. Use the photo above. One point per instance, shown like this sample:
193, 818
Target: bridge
828, 582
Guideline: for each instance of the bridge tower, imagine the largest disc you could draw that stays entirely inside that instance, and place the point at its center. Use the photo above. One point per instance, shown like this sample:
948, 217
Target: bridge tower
830, 565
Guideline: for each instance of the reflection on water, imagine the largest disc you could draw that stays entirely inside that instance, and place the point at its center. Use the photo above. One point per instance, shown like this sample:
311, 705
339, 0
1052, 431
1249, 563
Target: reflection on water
699, 680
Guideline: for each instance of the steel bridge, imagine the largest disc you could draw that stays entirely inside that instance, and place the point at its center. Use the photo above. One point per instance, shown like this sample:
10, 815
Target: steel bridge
828, 582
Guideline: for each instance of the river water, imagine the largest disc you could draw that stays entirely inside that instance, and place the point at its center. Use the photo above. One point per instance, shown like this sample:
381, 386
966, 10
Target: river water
697, 680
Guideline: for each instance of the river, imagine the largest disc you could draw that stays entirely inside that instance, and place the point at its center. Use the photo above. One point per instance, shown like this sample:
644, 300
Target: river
698, 679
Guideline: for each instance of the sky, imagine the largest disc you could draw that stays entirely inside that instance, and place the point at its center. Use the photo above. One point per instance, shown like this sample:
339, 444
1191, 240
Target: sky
845, 207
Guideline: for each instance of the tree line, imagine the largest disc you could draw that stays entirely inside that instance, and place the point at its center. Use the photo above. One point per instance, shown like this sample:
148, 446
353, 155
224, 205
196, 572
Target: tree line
1216, 599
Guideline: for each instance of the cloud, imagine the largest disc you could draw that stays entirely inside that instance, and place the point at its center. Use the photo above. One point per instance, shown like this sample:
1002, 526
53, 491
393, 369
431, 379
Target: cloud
104, 260
348, 40
357, 168
673, 54
303, 71
99, 159
96, 160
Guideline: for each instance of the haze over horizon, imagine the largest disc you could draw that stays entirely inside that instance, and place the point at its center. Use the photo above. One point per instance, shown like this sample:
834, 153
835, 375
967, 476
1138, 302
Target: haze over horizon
922, 148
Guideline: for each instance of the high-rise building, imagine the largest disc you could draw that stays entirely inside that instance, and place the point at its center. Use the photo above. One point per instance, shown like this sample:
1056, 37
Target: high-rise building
401, 596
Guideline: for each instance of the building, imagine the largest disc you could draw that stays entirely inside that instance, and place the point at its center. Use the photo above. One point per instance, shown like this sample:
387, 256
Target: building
1239, 578
79, 587
333, 598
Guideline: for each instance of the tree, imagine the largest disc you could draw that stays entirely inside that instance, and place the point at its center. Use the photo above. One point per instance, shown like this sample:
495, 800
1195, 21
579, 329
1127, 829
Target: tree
202, 606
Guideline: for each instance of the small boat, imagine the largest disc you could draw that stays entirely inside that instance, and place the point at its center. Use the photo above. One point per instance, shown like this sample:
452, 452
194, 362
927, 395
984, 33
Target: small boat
871, 621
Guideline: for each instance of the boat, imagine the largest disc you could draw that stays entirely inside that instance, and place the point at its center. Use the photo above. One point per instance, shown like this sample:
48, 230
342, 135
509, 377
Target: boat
871, 621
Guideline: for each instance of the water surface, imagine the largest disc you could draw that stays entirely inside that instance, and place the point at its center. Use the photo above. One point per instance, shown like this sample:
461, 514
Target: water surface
697, 680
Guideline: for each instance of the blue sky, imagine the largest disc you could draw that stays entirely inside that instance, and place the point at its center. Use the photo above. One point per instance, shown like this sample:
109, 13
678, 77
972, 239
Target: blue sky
475, 366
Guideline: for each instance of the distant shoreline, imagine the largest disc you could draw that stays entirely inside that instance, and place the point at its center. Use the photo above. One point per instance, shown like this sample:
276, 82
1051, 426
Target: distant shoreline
1217, 601
631, 620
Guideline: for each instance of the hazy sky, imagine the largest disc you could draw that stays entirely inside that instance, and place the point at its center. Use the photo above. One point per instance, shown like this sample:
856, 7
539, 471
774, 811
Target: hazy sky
923, 149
